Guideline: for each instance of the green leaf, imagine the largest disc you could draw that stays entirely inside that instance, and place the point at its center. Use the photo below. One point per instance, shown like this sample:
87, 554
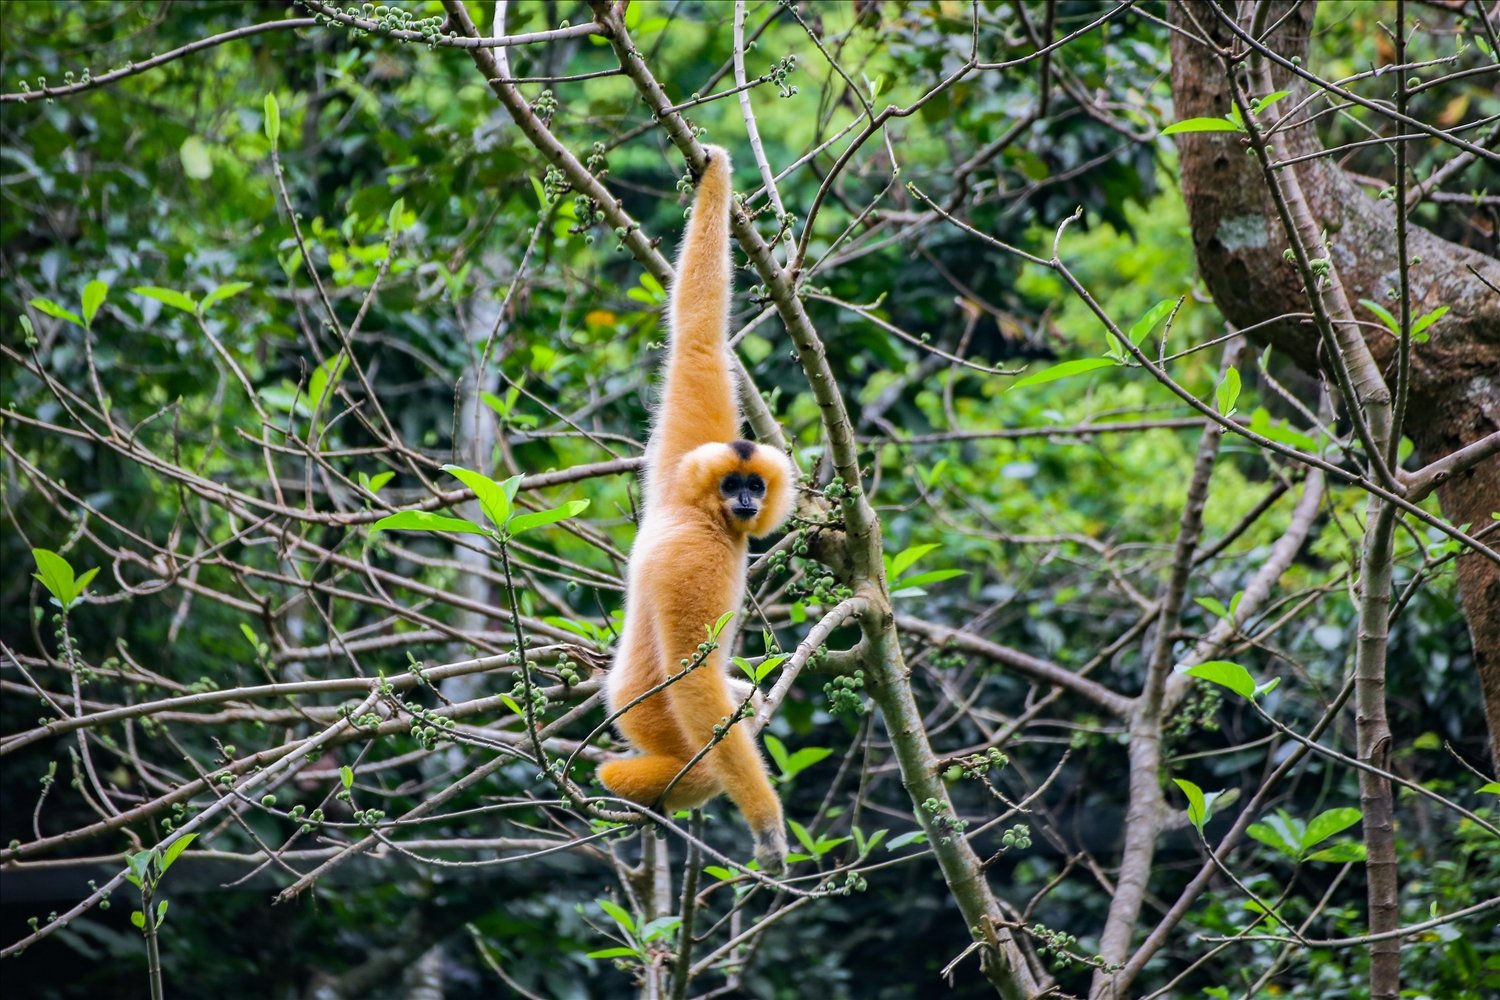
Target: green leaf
55, 573
139, 864
375, 482
1267, 687
1342, 853
1261, 104
395, 219
166, 296
1419, 326
524, 522
84, 579
1224, 673
1200, 806
661, 927
53, 309
1064, 370
273, 119
1214, 606
1268, 836
195, 159
613, 953
510, 703
803, 837
770, 663
621, 917
1154, 315
933, 576
422, 520
904, 559
1228, 392
139, 919
777, 750
912, 837
722, 874
174, 849
492, 498
161, 911
718, 626
804, 759
586, 629
541, 193
494, 402
1328, 823
325, 379
826, 844
93, 297
1201, 125
346, 777
930, 477
223, 292
1490, 788
1383, 314
1281, 433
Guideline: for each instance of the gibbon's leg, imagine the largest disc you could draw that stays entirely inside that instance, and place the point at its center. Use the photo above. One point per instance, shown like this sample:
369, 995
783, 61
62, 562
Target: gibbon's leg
643, 779
699, 403
684, 605
652, 728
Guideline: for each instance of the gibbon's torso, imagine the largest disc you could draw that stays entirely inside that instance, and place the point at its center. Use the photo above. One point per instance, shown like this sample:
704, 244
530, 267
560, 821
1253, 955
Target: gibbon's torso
672, 531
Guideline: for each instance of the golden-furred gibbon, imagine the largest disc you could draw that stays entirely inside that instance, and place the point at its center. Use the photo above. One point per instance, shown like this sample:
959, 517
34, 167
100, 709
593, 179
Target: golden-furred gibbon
706, 493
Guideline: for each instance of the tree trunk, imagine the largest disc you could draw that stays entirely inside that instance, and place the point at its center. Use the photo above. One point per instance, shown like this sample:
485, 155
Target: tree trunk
1455, 377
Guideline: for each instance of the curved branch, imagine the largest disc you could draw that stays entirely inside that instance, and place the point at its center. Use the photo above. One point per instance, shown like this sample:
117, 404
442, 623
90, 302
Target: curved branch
131, 69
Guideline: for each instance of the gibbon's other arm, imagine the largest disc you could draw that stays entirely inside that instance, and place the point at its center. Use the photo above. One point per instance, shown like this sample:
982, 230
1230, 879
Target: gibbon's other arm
699, 402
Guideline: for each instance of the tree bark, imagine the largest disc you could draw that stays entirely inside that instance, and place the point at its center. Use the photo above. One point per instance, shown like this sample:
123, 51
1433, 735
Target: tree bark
1239, 243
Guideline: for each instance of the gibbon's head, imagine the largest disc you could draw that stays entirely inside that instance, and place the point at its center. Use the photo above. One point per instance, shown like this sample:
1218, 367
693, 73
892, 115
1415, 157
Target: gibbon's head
746, 486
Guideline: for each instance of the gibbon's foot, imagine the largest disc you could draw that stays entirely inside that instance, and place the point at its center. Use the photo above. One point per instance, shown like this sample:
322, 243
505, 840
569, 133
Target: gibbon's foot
644, 780
770, 850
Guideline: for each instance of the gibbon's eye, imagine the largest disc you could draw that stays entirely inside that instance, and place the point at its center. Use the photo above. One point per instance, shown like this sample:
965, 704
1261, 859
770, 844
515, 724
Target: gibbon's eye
732, 484
755, 485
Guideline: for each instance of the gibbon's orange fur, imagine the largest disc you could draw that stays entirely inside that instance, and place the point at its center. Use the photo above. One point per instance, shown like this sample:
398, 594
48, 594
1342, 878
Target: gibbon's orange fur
706, 494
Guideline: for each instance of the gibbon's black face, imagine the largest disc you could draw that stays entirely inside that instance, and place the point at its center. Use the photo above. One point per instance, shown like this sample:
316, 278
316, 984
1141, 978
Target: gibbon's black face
743, 494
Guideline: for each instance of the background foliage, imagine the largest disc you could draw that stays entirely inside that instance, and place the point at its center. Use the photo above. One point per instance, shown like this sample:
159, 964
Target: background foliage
418, 199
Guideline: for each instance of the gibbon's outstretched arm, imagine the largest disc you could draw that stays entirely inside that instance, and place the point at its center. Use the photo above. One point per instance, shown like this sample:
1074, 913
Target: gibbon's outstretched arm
699, 401
707, 494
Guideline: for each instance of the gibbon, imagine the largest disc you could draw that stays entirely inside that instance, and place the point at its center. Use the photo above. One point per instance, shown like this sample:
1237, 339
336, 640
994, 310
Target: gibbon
706, 493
